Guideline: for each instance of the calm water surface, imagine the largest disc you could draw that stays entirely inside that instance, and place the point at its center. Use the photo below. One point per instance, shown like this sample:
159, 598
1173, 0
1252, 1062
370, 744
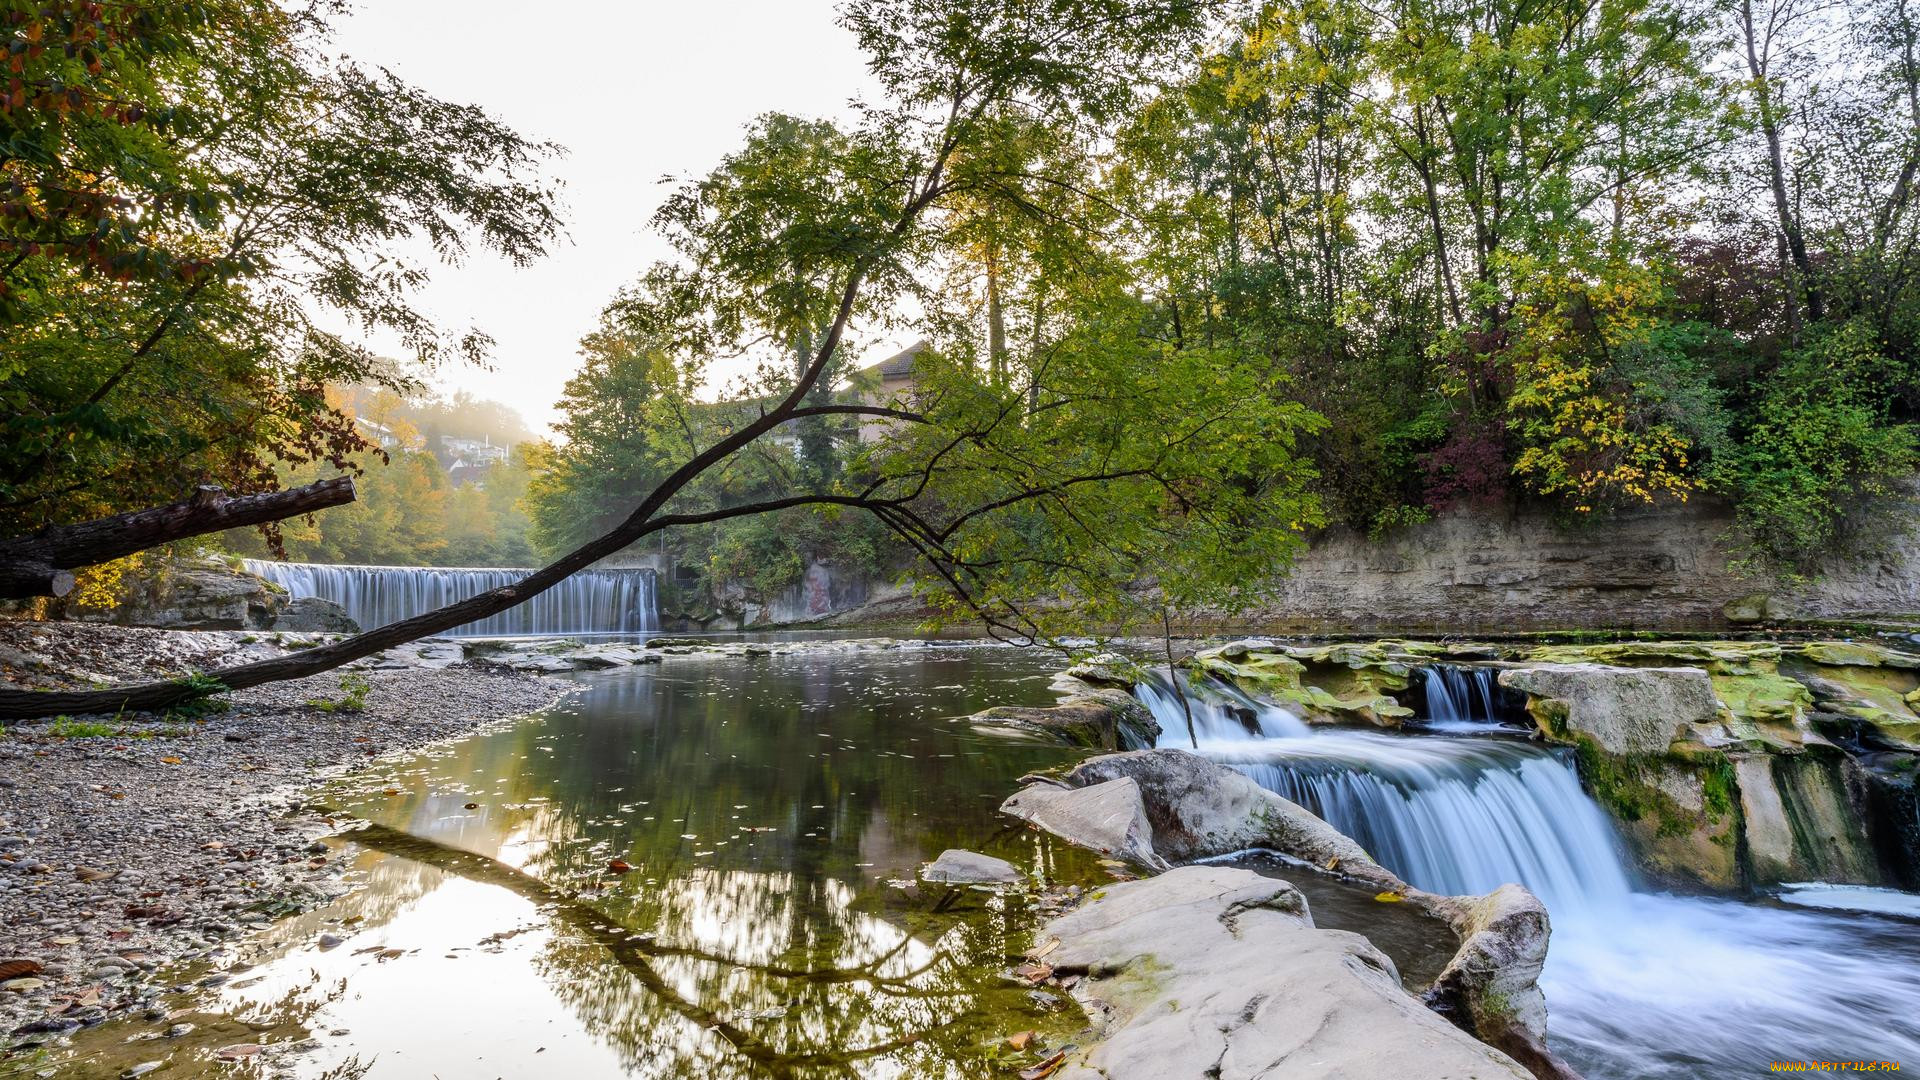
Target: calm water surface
775, 812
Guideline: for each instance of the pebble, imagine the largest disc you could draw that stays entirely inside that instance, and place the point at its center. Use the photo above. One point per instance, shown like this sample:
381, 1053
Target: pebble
178, 1030
125, 832
141, 1069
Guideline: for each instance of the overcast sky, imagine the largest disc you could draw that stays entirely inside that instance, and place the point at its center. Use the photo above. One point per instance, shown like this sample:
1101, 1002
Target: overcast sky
638, 90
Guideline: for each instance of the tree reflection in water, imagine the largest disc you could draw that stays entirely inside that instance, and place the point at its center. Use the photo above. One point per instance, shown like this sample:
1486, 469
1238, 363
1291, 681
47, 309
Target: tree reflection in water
745, 1001
768, 809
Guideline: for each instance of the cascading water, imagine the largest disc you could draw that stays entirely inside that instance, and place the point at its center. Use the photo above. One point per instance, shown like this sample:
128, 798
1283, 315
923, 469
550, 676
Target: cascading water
1221, 714
589, 602
1639, 984
1461, 699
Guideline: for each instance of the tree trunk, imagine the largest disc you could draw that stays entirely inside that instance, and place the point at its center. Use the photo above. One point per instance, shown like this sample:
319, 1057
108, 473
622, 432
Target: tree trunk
1800, 264
36, 564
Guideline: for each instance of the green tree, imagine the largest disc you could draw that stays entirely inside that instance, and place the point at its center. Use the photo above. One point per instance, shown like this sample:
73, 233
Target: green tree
189, 188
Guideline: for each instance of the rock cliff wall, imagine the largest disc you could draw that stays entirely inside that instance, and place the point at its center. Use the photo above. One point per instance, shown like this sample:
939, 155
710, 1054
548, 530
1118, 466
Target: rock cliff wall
1662, 568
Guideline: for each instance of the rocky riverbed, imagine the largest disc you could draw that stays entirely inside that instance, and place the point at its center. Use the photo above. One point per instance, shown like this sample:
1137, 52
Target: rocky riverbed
130, 844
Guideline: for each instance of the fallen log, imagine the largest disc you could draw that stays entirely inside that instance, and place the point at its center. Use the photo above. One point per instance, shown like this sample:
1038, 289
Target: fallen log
40, 563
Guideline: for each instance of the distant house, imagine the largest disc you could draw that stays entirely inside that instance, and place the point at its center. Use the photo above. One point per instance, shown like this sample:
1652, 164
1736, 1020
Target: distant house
381, 434
889, 382
467, 460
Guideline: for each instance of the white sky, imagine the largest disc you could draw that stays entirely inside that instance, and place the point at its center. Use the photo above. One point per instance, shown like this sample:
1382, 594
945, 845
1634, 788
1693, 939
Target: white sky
635, 90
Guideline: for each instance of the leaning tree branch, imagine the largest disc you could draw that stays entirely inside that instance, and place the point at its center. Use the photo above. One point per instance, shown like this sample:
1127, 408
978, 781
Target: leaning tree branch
40, 563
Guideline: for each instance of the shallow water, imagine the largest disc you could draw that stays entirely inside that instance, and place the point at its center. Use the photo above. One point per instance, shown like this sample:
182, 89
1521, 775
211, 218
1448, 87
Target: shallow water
775, 812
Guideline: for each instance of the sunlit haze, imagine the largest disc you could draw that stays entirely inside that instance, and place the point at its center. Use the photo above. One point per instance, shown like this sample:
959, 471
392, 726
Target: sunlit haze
637, 94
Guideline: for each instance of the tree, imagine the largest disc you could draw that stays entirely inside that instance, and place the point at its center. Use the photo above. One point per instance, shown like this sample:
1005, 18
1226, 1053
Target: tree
1006, 508
192, 193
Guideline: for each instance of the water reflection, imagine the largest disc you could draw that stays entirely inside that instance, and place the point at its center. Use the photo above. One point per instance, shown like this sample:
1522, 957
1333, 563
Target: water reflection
774, 812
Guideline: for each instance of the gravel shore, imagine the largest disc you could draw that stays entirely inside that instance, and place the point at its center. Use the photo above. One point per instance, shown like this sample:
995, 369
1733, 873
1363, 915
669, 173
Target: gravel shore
131, 843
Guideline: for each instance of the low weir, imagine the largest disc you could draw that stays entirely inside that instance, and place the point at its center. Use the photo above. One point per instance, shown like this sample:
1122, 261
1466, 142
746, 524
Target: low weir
589, 602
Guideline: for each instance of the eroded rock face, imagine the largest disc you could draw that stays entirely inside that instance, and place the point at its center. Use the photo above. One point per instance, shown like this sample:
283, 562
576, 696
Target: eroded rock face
1216, 971
1625, 710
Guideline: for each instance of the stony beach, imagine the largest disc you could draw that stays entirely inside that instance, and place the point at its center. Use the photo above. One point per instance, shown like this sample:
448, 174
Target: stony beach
131, 844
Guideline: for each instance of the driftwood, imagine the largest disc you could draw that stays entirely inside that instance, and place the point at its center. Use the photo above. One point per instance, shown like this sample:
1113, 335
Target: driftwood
42, 563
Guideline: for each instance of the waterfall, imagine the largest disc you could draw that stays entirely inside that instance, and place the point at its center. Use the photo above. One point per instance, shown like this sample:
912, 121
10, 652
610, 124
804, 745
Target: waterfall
1456, 816
589, 602
1221, 713
1449, 815
1462, 699
1639, 984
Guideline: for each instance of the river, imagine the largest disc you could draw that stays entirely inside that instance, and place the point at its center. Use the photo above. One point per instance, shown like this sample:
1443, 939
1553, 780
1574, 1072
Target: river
774, 812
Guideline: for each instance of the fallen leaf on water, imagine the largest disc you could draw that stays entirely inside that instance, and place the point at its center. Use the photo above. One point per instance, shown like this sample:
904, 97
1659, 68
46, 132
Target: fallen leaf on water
619, 866
1389, 897
1042, 952
393, 791
1021, 1040
68, 939
473, 806
1045, 1068
169, 761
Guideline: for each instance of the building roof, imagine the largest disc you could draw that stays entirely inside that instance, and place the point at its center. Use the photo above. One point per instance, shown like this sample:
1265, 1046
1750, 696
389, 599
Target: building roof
900, 363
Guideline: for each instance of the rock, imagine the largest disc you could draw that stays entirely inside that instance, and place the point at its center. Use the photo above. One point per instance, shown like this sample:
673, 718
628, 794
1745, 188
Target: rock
1745, 610
329, 941
1624, 710
1194, 808
179, 1030
1798, 824
1492, 982
957, 866
1102, 719
22, 985
315, 614
1857, 654
1330, 684
1108, 818
194, 594
1216, 971
1106, 670
141, 1069
1198, 808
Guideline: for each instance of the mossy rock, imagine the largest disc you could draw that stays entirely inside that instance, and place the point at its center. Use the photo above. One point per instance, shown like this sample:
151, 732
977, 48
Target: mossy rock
1766, 709
1718, 657
1678, 814
1317, 706
1858, 654
1108, 670
1254, 672
1883, 698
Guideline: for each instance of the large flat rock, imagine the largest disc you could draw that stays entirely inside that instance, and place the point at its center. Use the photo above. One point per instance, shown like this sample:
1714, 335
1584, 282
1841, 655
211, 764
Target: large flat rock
1634, 711
1220, 972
